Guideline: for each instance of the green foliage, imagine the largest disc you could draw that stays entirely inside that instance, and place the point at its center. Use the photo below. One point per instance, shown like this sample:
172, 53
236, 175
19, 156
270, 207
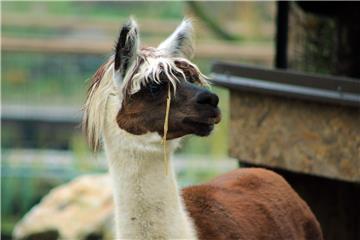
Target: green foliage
109, 10
58, 78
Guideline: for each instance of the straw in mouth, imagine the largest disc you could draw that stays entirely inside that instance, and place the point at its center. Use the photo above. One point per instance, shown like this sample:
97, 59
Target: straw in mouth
166, 126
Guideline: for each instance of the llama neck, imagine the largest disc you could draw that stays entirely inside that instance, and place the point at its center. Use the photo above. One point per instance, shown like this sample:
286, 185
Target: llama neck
147, 201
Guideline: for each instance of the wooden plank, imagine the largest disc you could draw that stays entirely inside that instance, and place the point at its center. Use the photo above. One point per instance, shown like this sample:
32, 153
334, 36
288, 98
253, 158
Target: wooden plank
60, 114
81, 23
219, 50
299, 136
149, 25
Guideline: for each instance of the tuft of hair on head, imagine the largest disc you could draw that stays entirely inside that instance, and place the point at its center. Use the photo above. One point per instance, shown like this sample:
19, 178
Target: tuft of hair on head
126, 49
94, 108
180, 42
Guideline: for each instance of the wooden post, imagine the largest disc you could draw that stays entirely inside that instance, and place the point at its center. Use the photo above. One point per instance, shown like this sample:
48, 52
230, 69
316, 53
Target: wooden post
324, 37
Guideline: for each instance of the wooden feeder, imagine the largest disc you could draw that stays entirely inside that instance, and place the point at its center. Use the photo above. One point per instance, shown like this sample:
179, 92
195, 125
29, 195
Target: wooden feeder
305, 127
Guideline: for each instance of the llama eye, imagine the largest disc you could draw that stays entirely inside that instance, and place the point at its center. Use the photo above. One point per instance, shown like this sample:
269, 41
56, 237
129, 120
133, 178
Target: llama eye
154, 88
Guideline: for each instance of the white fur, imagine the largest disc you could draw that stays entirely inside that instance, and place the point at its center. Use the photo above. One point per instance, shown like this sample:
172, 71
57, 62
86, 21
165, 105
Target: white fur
171, 44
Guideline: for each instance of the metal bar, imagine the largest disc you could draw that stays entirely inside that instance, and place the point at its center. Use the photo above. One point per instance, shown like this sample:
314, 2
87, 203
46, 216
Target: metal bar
289, 77
288, 90
315, 87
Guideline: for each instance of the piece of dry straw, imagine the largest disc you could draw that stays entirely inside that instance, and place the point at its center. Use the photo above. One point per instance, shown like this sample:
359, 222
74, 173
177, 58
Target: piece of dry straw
166, 126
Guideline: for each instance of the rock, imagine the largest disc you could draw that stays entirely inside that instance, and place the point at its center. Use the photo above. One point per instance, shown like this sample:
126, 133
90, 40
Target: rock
80, 209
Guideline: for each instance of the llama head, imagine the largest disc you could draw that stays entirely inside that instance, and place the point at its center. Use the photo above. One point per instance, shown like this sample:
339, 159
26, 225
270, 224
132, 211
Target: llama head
141, 79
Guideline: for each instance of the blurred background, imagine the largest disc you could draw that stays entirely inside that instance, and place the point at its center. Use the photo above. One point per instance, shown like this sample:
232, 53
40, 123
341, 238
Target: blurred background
50, 49
303, 55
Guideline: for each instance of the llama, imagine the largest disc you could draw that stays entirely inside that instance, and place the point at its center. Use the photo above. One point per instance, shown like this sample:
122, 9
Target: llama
125, 112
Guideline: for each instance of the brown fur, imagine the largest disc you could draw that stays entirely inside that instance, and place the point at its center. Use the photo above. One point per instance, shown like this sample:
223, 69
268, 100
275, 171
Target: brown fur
250, 204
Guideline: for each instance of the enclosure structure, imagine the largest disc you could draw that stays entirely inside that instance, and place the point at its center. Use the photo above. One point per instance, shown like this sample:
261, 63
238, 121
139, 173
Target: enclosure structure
307, 128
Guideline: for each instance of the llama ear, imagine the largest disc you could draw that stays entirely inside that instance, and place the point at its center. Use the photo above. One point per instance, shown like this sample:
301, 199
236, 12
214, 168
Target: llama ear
179, 44
126, 47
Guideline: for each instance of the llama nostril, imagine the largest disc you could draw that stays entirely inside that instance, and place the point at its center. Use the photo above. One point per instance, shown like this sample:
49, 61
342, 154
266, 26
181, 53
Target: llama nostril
207, 97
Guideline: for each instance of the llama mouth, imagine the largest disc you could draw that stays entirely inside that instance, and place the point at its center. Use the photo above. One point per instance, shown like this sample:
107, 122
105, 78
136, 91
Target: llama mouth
200, 127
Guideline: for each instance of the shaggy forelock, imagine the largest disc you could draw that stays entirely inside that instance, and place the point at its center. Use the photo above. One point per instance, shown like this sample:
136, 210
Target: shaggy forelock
153, 66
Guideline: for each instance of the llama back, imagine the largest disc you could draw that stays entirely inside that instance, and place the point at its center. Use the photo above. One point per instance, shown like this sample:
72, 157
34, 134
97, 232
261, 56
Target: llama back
250, 204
